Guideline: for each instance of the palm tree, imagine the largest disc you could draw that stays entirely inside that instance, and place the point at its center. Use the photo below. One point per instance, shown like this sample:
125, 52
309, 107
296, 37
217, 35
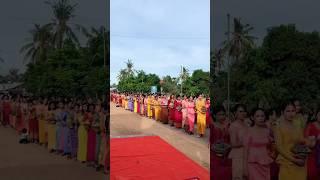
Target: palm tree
14, 75
129, 68
122, 74
127, 72
98, 38
1, 59
184, 74
241, 40
39, 43
63, 12
218, 58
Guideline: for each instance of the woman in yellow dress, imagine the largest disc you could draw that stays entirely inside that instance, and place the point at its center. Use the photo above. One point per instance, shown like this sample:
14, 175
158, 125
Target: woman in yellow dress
201, 116
126, 102
135, 106
141, 104
42, 122
149, 107
157, 109
52, 129
287, 136
82, 135
123, 101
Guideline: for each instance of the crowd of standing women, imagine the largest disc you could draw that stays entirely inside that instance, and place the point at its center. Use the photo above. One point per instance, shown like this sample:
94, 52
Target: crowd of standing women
264, 145
68, 127
179, 111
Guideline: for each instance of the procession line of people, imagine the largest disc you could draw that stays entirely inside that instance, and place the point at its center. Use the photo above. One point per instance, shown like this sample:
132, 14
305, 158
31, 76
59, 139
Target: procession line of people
178, 111
72, 128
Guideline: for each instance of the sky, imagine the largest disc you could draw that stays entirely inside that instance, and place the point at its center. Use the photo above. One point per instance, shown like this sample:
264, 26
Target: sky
159, 36
17, 18
262, 14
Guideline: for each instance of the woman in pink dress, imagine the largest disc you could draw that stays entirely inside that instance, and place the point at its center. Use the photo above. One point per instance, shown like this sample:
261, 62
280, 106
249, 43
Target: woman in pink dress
312, 132
237, 131
220, 165
190, 114
256, 154
184, 111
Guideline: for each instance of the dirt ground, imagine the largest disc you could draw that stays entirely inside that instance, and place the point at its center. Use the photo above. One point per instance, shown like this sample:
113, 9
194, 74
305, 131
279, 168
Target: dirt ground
33, 162
125, 123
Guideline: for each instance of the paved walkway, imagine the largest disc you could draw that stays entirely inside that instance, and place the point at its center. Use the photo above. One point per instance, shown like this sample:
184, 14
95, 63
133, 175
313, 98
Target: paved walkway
33, 162
125, 123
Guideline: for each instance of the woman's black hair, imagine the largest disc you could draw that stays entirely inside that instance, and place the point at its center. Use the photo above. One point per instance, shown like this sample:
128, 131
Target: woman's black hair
49, 106
254, 110
286, 104
90, 105
24, 130
237, 106
218, 109
272, 110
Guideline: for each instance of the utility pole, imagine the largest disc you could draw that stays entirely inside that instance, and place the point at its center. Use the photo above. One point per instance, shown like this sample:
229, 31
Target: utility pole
181, 80
228, 16
104, 48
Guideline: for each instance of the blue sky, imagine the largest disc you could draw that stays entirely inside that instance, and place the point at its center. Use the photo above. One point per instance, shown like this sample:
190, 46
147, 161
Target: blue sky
159, 35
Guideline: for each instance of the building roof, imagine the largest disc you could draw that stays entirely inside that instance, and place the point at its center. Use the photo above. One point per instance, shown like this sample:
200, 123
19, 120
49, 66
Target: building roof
8, 86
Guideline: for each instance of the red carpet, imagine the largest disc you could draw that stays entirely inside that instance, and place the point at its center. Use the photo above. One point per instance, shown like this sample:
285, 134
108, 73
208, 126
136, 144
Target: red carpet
151, 158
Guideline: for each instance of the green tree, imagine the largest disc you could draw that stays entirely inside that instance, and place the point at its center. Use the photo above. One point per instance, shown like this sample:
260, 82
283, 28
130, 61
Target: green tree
285, 66
63, 12
241, 41
39, 42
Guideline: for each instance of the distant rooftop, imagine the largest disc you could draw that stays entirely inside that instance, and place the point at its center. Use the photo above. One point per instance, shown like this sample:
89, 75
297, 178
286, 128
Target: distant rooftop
8, 86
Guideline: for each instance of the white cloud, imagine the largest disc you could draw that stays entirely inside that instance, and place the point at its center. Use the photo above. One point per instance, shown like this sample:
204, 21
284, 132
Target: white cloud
152, 27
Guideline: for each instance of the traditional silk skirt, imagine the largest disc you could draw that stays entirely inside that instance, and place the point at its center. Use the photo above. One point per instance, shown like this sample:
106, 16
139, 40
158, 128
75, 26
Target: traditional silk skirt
164, 114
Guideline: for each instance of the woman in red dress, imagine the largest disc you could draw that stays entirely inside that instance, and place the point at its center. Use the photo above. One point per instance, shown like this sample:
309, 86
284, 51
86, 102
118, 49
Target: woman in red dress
171, 110
91, 144
178, 112
312, 132
33, 122
19, 121
6, 111
208, 112
220, 164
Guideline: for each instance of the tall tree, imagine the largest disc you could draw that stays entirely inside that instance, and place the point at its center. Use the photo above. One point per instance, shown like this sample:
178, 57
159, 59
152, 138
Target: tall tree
1, 59
36, 49
184, 74
63, 12
14, 75
129, 68
96, 41
241, 40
